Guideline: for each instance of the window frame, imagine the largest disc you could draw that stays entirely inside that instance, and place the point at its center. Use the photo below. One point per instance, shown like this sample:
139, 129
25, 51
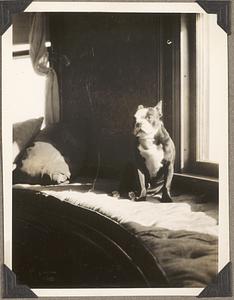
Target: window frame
189, 129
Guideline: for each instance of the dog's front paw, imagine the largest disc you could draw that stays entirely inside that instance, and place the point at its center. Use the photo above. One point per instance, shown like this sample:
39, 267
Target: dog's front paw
166, 197
115, 194
132, 196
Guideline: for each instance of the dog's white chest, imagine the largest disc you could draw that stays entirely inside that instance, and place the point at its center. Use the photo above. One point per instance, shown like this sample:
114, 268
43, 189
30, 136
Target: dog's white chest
153, 156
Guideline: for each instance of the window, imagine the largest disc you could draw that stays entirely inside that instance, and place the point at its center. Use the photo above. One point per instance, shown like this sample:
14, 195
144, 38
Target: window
29, 87
203, 88
209, 71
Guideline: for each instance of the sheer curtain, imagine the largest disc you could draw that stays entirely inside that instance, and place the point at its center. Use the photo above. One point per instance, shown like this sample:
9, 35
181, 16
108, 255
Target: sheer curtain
40, 60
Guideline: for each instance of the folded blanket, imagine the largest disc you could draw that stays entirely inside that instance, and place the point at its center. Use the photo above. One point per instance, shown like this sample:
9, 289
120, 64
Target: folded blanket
189, 259
173, 216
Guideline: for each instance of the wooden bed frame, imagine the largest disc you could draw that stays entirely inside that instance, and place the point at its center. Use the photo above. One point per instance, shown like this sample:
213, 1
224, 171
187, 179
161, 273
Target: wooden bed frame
58, 245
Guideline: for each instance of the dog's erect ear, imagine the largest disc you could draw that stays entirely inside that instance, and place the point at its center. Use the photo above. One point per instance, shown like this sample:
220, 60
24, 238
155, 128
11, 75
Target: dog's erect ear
140, 107
158, 107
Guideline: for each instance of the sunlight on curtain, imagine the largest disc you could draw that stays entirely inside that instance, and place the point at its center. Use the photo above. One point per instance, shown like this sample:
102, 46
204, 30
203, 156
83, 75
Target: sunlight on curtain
40, 60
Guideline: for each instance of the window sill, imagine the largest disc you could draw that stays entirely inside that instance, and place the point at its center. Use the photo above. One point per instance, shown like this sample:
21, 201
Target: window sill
197, 177
196, 184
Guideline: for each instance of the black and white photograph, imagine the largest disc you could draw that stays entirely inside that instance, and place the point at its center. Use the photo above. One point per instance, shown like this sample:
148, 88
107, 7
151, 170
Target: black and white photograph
115, 147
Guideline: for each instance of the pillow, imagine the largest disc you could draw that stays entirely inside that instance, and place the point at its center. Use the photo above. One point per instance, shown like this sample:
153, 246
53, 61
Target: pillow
23, 135
44, 164
55, 157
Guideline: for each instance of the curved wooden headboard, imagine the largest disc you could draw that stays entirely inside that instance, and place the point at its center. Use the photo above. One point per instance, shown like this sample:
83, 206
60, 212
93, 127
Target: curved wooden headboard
58, 245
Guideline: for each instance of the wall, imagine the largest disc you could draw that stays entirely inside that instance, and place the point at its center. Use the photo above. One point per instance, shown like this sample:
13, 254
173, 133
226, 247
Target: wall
107, 65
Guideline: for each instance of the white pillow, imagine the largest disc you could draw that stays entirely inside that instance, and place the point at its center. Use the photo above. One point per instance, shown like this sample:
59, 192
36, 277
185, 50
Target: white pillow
23, 135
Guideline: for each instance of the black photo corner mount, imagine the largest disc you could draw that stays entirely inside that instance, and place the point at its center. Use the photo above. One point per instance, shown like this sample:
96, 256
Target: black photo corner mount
7, 9
220, 286
222, 9
11, 289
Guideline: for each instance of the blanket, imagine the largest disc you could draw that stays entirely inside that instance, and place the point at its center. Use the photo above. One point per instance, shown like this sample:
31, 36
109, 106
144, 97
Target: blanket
184, 242
189, 259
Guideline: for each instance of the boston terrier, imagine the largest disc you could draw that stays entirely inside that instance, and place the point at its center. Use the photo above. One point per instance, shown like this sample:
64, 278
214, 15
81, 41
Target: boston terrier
152, 169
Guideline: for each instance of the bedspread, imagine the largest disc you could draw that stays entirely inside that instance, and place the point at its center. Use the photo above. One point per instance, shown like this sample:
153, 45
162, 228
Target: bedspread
189, 259
185, 242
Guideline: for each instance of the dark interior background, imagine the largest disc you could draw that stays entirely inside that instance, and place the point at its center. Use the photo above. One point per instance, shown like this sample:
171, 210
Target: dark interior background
108, 64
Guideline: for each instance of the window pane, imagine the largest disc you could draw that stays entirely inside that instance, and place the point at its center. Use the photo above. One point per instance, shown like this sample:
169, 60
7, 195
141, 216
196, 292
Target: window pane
209, 87
29, 91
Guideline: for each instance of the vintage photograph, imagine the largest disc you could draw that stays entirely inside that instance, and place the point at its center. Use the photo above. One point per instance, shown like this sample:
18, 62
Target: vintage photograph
118, 125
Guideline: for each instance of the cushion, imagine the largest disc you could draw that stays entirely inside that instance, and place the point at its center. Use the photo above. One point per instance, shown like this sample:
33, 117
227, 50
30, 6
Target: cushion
56, 156
23, 135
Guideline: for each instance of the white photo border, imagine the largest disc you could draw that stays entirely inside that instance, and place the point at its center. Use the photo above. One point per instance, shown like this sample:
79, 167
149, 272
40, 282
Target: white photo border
128, 7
